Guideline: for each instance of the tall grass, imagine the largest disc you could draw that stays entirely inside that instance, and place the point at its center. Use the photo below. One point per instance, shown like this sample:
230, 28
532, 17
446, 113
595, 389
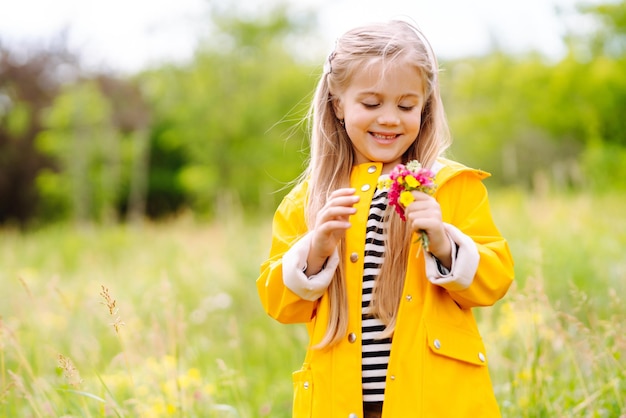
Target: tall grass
558, 340
164, 320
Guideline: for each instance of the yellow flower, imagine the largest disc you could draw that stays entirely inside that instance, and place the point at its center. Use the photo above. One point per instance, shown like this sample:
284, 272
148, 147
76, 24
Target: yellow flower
209, 389
411, 181
384, 183
192, 378
406, 198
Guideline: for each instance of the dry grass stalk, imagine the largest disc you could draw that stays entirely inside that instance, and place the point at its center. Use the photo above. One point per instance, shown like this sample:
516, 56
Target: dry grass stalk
1, 334
4, 389
25, 286
4, 393
69, 371
110, 303
18, 382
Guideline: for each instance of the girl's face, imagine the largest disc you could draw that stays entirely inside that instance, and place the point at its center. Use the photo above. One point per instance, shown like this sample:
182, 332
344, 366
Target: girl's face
382, 112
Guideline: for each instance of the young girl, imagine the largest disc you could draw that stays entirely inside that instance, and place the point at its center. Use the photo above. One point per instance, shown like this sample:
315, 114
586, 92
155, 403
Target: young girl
391, 328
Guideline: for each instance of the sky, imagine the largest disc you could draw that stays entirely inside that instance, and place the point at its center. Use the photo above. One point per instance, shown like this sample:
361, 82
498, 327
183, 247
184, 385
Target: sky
129, 35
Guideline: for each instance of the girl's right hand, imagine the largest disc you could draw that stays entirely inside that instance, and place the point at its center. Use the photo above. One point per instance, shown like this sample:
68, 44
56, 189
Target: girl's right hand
330, 226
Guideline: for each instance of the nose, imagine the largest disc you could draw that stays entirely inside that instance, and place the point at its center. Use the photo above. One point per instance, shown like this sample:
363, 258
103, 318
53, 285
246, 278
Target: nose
388, 116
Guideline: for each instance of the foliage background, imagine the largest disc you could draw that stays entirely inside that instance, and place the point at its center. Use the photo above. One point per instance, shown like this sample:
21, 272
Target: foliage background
225, 129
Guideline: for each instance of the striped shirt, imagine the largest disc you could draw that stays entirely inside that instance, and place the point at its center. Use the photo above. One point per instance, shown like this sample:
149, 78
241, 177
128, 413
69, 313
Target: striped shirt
375, 352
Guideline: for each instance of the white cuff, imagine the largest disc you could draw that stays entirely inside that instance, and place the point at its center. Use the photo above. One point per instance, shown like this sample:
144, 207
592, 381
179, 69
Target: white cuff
294, 263
464, 262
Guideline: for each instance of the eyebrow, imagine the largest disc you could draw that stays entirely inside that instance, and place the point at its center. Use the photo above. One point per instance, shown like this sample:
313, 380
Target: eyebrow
419, 98
404, 96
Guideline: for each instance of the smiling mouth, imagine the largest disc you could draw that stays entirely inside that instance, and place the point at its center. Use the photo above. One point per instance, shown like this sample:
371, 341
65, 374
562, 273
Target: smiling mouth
384, 137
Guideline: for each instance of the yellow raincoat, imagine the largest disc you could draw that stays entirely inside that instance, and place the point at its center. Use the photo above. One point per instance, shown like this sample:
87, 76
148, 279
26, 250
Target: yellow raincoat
438, 364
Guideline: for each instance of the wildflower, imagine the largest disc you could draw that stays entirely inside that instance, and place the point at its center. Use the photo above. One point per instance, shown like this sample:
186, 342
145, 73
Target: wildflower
406, 198
402, 180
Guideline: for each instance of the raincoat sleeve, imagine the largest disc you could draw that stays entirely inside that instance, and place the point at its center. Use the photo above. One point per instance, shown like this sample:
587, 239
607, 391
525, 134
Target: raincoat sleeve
482, 268
286, 293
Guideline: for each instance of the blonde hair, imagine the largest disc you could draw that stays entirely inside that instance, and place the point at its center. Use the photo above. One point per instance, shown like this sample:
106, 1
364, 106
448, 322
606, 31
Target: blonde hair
332, 155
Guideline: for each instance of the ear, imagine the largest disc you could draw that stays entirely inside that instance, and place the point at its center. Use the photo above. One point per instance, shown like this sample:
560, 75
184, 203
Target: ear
338, 108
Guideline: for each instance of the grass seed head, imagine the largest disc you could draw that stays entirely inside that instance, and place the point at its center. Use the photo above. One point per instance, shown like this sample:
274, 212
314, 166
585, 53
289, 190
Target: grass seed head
110, 303
69, 371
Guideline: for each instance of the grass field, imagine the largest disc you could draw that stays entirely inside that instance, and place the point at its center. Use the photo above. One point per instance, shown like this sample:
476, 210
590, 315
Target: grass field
164, 320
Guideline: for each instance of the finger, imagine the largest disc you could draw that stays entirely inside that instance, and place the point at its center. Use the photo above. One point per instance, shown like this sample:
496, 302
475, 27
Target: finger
423, 215
336, 212
421, 196
343, 197
347, 201
345, 191
420, 210
333, 226
424, 224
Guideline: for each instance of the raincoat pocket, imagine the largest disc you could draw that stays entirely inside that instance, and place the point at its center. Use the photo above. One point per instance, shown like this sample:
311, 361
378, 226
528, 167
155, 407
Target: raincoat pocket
456, 343
455, 359
302, 392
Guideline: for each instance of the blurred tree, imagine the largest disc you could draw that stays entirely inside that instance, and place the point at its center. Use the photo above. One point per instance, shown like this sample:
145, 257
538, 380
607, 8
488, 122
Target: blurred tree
609, 35
603, 54
527, 119
96, 130
508, 117
131, 118
223, 132
228, 114
30, 78
79, 135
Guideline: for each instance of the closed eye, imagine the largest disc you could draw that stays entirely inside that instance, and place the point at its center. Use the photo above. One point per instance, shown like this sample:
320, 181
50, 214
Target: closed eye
370, 105
406, 108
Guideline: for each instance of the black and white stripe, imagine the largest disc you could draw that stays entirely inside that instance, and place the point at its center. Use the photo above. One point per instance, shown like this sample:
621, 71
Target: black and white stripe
375, 352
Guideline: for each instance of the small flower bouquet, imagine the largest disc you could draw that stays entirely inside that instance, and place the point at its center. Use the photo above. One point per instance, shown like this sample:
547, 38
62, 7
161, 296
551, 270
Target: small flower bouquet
402, 180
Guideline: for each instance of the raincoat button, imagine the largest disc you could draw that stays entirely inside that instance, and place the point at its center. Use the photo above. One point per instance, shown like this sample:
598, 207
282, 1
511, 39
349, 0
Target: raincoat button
371, 169
365, 187
437, 344
353, 415
392, 377
354, 257
409, 297
306, 385
351, 337
481, 357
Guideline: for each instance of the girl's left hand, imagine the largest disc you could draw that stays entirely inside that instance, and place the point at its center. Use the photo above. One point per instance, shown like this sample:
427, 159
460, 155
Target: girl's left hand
425, 214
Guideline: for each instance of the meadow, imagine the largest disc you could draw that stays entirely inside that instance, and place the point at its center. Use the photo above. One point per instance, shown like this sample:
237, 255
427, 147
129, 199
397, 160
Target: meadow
164, 320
